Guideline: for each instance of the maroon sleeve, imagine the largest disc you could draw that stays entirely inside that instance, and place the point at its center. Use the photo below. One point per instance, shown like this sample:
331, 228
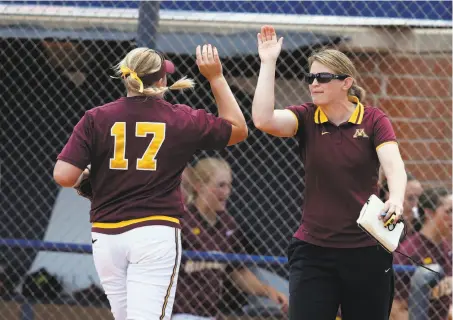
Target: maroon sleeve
299, 112
213, 133
77, 150
383, 131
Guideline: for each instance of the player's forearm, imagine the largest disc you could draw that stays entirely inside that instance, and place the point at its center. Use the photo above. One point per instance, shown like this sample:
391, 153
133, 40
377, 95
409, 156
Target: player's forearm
264, 98
227, 105
248, 282
397, 180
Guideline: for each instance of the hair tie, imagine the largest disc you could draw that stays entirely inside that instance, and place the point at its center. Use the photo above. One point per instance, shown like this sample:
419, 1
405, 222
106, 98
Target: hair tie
125, 71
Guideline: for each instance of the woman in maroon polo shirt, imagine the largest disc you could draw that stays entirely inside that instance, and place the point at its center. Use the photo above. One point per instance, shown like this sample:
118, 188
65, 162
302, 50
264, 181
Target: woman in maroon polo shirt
208, 227
342, 145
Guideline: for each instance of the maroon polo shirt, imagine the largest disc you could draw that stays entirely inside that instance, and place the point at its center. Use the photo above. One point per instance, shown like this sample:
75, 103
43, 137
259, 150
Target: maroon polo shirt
423, 251
200, 283
138, 148
341, 172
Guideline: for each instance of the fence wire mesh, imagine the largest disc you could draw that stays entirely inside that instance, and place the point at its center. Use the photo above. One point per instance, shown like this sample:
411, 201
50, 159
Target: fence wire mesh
56, 62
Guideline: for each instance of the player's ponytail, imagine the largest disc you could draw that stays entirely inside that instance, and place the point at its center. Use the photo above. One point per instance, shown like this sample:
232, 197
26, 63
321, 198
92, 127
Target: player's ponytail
181, 84
142, 64
357, 91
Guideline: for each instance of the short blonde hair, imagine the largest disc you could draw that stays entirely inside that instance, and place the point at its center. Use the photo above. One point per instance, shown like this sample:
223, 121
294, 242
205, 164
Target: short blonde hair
201, 173
340, 64
144, 61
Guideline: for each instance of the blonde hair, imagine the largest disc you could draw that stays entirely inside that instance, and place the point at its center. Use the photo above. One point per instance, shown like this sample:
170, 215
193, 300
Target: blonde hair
202, 173
143, 61
340, 64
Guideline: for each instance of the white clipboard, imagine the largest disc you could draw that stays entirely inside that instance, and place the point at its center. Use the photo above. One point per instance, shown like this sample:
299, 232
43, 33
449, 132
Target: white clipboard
387, 236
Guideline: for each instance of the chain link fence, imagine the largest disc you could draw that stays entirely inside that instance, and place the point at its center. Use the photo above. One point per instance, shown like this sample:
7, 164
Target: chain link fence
56, 62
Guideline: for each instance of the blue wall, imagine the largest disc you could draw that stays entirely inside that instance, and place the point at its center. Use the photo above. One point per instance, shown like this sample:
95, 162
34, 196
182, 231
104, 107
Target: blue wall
430, 10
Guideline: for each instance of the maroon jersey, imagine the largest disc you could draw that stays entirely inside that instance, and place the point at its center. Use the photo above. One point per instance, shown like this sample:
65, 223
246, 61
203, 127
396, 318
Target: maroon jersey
341, 172
138, 148
423, 251
200, 283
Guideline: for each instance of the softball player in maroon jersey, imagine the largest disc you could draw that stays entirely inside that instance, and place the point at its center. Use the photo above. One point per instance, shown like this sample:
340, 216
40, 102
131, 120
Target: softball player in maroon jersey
138, 146
342, 144
209, 227
432, 244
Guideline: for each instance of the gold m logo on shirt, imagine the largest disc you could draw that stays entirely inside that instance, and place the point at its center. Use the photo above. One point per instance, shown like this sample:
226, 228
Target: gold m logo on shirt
360, 133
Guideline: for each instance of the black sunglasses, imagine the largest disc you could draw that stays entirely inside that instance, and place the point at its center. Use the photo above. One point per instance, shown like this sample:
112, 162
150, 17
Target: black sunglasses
323, 77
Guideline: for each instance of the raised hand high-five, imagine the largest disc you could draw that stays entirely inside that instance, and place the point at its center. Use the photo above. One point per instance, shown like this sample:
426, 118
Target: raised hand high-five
210, 66
268, 46
208, 62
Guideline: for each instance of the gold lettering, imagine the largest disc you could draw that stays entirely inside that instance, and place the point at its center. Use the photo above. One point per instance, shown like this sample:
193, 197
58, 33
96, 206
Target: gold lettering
360, 133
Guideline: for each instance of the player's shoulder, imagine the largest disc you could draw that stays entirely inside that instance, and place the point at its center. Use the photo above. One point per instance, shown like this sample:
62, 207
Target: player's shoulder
373, 112
304, 107
195, 118
105, 108
176, 111
303, 112
179, 109
227, 220
183, 110
373, 116
406, 247
124, 104
191, 215
188, 110
412, 244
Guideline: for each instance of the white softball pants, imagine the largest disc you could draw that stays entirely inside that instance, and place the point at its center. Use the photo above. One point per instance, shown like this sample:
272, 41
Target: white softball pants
138, 270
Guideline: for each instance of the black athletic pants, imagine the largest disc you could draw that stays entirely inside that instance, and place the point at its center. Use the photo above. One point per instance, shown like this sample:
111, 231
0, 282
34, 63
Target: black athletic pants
360, 280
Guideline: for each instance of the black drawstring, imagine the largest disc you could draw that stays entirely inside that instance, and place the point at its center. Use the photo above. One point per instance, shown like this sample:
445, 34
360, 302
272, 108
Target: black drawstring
419, 264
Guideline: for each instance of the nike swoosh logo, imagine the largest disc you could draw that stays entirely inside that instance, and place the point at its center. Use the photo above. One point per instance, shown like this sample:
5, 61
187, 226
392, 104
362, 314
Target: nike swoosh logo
93, 241
323, 133
387, 270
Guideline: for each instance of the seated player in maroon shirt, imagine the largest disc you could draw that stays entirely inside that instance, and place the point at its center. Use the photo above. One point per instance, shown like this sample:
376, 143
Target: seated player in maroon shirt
342, 144
138, 146
208, 227
431, 245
